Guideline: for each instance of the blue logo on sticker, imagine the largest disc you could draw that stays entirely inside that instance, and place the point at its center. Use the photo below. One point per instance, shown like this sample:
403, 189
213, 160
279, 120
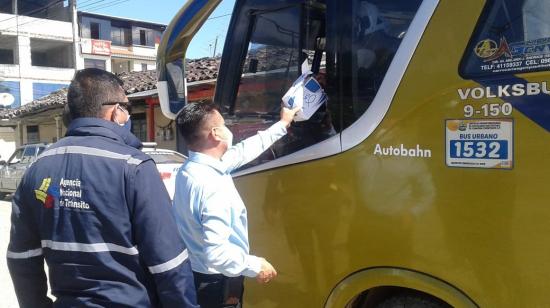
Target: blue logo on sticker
312, 86
291, 102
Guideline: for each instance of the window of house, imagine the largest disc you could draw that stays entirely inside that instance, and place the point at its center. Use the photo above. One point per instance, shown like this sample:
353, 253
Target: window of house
120, 66
6, 56
142, 37
94, 63
121, 36
143, 67
94, 30
8, 49
511, 36
52, 53
6, 7
139, 126
33, 135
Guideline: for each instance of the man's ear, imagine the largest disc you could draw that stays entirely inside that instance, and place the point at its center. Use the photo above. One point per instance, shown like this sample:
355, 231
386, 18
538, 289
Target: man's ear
215, 134
107, 113
115, 113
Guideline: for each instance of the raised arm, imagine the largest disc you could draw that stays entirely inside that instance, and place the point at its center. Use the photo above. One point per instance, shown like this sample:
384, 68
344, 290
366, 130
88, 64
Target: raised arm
250, 148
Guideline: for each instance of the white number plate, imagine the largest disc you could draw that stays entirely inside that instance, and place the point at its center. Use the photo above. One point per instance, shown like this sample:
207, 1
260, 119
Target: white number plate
480, 143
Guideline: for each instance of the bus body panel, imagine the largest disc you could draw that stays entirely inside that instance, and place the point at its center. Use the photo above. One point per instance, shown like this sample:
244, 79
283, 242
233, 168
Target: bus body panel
393, 202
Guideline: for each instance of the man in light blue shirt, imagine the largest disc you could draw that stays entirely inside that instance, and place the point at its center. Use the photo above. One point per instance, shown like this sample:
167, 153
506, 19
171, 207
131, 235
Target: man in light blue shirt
210, 213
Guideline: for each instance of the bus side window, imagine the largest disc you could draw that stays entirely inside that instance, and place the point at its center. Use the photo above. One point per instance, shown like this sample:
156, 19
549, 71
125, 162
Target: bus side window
376, 30
511, 36
280, 41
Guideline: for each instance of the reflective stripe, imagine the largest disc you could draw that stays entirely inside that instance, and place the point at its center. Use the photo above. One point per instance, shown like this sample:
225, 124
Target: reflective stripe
90, 151
166, 266
25, 254
96, 247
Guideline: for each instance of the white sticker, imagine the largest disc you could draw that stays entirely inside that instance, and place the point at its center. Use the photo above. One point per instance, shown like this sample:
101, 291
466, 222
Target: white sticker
480, 143
306, 93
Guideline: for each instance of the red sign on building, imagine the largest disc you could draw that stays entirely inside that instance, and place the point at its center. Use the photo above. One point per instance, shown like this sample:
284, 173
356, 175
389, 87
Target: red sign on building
101, 47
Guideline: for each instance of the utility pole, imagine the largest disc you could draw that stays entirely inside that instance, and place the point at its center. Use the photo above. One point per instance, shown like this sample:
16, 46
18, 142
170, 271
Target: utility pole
215, 45
74, 22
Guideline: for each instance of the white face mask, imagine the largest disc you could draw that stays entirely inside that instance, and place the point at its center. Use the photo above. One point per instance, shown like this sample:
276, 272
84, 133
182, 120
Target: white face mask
227, 135
127, 123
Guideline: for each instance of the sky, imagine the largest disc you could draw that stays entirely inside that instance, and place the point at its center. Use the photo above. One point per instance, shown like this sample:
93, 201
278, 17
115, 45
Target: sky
162, 11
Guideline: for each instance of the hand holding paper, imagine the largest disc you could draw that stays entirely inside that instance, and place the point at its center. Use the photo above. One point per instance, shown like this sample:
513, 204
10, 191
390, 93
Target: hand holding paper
305, 93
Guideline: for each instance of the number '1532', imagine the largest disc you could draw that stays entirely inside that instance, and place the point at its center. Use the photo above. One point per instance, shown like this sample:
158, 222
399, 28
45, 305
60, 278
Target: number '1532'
480, 149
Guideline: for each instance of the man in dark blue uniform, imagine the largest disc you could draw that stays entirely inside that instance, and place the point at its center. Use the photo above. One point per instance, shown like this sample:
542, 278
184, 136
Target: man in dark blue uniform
94, 207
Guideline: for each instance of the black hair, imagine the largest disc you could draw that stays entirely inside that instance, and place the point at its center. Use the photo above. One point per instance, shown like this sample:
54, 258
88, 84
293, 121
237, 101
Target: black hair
90, 89
191, 118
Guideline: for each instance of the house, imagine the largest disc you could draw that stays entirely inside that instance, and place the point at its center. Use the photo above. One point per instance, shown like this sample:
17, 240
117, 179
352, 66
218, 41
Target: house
117, 44
37, 49
43, 43
42, 119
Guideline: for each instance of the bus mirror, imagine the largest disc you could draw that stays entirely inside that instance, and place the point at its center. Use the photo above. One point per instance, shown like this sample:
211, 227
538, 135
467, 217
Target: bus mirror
171, 85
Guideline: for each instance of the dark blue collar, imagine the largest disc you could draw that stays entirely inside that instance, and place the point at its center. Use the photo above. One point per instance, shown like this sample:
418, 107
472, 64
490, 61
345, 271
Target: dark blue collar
100, 127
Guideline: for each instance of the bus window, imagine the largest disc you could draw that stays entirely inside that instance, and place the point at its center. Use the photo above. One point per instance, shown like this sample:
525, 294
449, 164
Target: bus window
511, 36
280, 41
375, 32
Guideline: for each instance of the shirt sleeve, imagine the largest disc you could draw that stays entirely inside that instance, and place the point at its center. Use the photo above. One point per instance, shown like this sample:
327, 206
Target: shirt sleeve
158, 240
250, 148
24, 256
222, 255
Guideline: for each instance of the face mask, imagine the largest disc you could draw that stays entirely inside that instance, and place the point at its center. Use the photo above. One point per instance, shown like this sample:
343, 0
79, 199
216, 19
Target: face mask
228, 135
128, 124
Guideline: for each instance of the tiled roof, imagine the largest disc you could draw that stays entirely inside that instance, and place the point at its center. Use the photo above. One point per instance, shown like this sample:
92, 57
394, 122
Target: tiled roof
202, 69
134, 82
51, 101
139, 81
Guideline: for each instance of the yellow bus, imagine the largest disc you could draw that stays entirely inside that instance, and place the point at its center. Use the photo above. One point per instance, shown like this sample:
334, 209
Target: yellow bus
421, 181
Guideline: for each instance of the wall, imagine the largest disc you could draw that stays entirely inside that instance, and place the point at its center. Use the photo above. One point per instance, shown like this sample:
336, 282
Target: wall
7, 142
25, 73
144, 51
10, 94
7, 70
45, 28
151, 65
48, 132
41, 89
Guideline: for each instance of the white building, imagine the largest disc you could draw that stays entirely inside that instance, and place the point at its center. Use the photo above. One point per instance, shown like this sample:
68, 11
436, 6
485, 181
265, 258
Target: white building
43, 42
118, 44
37, 49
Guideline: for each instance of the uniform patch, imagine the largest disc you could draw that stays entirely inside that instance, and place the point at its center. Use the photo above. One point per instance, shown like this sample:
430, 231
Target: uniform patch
46, 193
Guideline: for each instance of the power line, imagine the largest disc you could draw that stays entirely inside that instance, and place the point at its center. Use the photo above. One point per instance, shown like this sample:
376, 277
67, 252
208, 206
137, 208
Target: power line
112, 3
108, 4
85, 1
216, 17
90, 4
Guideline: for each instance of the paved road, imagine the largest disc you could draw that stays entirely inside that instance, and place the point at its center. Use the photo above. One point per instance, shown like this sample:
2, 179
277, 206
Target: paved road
7, 295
